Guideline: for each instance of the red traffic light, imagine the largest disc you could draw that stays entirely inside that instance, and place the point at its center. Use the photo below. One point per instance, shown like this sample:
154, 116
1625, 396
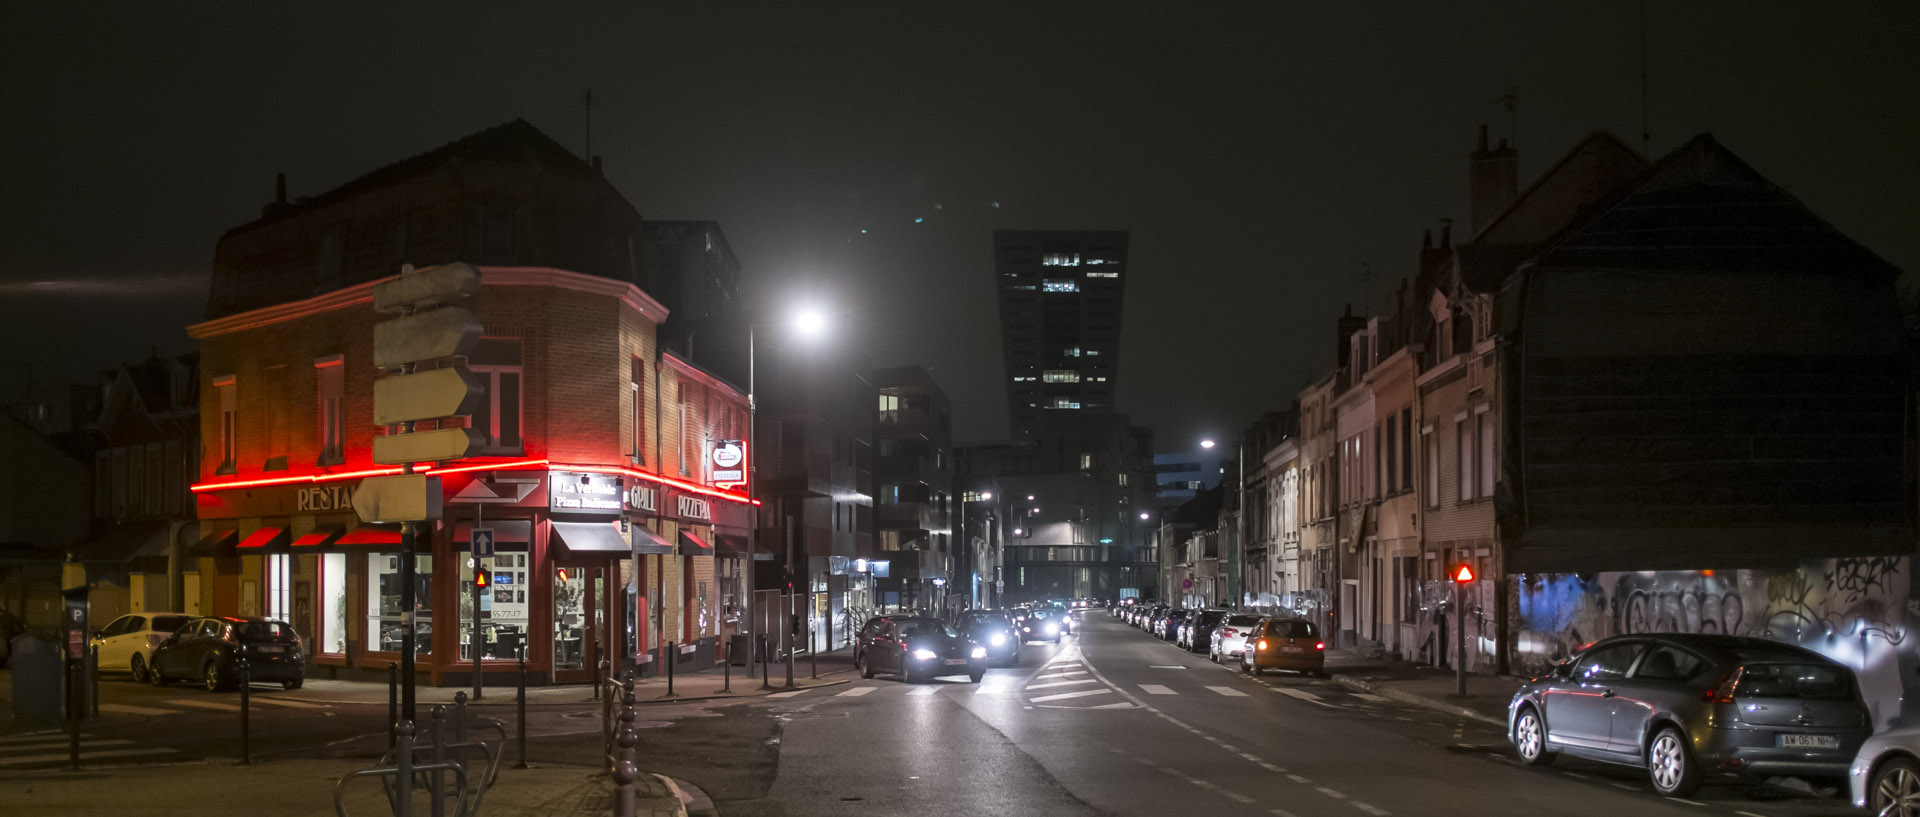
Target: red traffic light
1462, 573
482, 577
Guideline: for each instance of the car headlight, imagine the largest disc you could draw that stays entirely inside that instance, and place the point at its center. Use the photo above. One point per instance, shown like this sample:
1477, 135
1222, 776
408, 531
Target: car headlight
998, 639
924, 655
1026, 629
1053, 628
979, 652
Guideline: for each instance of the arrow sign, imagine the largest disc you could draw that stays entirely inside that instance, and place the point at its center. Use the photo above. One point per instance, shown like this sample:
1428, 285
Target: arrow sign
425, 395
398, 498
431, 286
426, 446
482, 539
426, 336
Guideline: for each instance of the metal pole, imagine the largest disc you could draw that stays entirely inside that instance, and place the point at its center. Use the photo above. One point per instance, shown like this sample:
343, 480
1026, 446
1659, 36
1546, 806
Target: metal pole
76, 675
477, 639
393, 701
460, 717
434, 778
726, 673
403, 777
408, 532
793, 599
753, 488
93, 680
520, 704
673, 654
246, 708
1460, 636
813, 652
766, 681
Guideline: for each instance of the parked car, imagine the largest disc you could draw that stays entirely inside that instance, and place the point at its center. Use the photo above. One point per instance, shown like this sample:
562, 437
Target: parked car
208, 649
1155, 618
992, 629
1169, 627
1043, 624
1197, 631
1885, 774
1285, 644
1230, 638
915, 647
127, 642
1768, 709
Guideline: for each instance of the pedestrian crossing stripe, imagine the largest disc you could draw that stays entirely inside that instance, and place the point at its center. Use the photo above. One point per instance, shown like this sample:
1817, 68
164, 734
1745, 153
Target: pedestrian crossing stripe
213, 705
61, 756
1065, 695
63, 744
1229, 692
130, 709
288, 702
1157, 689
790, 694
1062, 683
855, 692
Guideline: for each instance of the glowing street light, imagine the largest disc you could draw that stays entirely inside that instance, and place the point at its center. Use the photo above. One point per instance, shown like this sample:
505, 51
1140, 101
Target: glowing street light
810, 322
1206, 443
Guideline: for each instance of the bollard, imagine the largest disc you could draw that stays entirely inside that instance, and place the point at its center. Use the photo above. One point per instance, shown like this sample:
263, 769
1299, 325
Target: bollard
393, 701
403, 779
623, 778
521, 705
73, 712
600, 676
434, 778
246, 708
460, 717
766, 681
813, 652
726, 675
93, 680
673, 656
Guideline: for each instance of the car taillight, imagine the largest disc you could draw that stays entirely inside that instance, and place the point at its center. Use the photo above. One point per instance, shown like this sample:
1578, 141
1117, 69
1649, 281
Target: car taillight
1319, 645
1229, 632
1260, 645
1722, 693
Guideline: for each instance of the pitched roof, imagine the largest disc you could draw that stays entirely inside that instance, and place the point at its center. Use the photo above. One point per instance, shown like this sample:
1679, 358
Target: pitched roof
1702, 207
1596, 164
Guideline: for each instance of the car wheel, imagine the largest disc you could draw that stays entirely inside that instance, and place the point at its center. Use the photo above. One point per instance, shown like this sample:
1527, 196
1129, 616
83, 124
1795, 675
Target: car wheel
1895, 789
154, 677
293, 684
211, 676
866, 669
139, 668
1530, 738
1670, 766
975, 676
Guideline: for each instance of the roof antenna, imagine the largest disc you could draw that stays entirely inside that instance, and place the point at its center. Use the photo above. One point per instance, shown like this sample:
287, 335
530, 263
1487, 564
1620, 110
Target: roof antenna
589, 103
1365, 277
1646, 137
1511, 101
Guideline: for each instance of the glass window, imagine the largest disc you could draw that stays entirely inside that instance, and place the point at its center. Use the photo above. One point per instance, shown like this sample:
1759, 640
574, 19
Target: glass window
1606, 663
224, 395
383, 602
1431, 452
1798, 681
1668, 663
496, 362
569, 618
1290, 629
1484, 427
332, 410
169, 624
503, 617
333, 603
279, 585
1463, 451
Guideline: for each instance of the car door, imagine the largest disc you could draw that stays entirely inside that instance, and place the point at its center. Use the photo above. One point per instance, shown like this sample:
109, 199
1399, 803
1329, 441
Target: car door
1579, 708
171, 659
111, 643
1664, 669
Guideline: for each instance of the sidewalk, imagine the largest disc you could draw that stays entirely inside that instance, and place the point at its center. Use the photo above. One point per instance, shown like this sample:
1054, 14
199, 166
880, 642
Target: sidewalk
1421, 685
305, 788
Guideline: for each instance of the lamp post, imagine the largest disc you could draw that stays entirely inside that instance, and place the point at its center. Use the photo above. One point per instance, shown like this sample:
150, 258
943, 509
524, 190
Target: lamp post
807, 322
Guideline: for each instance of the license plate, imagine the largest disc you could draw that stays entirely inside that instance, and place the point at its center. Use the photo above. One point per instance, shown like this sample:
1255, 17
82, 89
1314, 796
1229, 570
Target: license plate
1293, 649
956, 662
1809, 742
270, 648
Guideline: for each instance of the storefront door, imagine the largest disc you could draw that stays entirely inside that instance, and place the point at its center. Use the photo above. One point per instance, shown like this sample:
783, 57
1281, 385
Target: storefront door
580, 603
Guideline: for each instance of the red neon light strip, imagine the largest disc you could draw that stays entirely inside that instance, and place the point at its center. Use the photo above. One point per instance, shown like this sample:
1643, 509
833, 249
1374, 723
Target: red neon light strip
260, 538
521, 465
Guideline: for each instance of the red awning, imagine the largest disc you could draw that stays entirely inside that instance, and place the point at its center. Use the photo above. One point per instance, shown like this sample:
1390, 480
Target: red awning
693, 545
370, 536
318, 538
264, 539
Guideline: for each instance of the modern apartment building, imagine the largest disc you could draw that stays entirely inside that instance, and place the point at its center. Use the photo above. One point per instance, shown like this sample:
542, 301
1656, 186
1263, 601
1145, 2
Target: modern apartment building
1060, 300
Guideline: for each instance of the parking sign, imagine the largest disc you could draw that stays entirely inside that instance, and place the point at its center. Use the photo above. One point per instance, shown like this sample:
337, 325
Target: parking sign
482, 542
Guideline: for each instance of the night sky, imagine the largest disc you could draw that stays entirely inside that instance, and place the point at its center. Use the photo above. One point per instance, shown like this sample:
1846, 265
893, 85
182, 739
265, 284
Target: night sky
1264, 156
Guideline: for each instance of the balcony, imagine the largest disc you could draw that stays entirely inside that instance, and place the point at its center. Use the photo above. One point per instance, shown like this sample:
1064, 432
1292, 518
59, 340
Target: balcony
907, 422
905, 516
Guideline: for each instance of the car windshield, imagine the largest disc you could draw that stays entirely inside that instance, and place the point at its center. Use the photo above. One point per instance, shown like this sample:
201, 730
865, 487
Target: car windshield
1799, 681
1290, 629
985, 620
265, 631
926, 628
1242, 621
1211, 616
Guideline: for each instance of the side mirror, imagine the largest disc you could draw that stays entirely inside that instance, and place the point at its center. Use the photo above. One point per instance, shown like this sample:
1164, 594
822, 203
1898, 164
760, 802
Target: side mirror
1563, 670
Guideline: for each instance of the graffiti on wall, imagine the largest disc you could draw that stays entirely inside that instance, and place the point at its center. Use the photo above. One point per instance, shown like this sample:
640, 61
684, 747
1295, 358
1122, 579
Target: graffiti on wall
1854, 610
1435, 641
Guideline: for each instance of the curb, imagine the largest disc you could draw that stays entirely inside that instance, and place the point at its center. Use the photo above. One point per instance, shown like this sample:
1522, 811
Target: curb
741, 696
680, 796
1417, 700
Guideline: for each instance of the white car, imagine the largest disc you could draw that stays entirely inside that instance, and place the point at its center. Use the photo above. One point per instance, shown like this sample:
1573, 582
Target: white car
1885, 774
1230, 638
127, 642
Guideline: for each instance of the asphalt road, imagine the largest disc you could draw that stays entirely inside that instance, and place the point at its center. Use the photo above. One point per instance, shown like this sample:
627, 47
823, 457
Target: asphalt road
1109, 722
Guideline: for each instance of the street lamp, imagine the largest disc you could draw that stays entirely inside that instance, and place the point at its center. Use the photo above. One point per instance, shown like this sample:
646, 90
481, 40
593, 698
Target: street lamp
807, 322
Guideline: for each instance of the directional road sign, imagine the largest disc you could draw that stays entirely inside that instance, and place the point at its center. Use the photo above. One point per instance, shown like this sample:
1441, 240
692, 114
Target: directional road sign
482, 542
398, 498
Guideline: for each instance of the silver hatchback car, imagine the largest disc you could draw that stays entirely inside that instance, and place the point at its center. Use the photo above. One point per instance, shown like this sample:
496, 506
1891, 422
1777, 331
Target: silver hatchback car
1684, 706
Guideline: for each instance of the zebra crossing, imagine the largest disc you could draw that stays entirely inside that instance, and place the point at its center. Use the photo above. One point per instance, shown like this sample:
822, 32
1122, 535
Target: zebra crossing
52, 748
1067, 682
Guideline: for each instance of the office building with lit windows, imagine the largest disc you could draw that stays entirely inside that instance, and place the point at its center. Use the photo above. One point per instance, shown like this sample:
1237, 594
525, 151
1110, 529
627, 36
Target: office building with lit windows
1060, 299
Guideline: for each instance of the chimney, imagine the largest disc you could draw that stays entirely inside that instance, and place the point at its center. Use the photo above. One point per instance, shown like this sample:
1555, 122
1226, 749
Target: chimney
1426, 239
1446, 233
279, 203
1493, 179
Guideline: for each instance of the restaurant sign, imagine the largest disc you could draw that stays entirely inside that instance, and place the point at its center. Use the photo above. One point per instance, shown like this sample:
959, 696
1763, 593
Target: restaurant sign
576, 492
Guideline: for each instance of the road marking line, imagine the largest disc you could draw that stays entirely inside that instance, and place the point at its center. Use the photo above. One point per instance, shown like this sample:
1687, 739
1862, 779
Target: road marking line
924, 691
1059, 674
213, 705
289, 703
1120, 705
1164, 666
1575, 775
1229, 692
1065, 695
855, 692
1145, 762
1157, 689
1749, 814
1203, 783
1298, 779
1627, 786
15, 761
1297, 693
1272, 768
1062, 683
790, 694
1331, 793
1688, 802
1280, 812
1376, 811
1236, 796
130, 709
1368, 696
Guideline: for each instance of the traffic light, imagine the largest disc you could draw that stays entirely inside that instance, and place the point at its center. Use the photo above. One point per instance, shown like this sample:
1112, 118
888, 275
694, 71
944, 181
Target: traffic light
1462, 573
482, 577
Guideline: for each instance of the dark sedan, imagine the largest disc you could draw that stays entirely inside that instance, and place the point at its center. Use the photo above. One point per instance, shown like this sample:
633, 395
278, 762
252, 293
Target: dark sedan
992, 629
1683, 706
208, 650
1043, 624
1168, 628
916, 647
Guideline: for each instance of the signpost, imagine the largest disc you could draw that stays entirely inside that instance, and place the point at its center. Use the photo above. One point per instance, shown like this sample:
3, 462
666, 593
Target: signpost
1462, 575
425, 331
